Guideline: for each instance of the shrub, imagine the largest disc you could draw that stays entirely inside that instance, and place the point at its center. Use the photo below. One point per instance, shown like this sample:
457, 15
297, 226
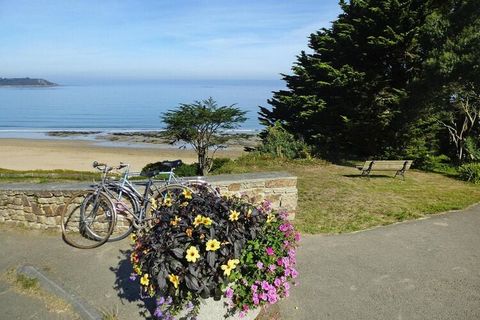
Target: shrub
218, 163
280, 143
184, 170
470, 172
204, 246
441, 163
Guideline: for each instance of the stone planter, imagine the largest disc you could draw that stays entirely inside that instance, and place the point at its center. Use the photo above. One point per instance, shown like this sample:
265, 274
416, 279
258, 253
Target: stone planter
216, 310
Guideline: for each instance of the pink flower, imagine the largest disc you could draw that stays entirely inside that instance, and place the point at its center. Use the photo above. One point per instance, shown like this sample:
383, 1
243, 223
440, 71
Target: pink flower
277, 282
270, 251
272, 296
265, 285
294, 273
255, 299
271, 268
254, 288
297, 236
242, 314
284, 227
229, 293
263, 296
260, 265
245, 307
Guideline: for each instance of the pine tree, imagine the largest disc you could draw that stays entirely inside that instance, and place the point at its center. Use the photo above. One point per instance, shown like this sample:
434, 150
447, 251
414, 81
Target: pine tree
351, 95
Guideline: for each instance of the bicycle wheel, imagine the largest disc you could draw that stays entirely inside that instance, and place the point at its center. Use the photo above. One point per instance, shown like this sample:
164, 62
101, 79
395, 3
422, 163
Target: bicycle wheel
75, 230
98, 216
127, 209
200, 185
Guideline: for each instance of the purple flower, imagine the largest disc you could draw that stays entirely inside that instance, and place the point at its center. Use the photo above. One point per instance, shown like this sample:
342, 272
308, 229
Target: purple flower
133, 276
160, 301
254, 288
285, 227
189, 305
270, 251
158, 313
229, 293
260, 265
169, 300
286, 285
272, 268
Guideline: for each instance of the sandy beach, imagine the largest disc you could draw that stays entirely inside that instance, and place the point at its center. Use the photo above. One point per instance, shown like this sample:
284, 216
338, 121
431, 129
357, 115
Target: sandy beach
27, 154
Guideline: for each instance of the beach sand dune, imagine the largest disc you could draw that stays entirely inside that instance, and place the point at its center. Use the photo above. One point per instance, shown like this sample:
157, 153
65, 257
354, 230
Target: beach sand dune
26, 154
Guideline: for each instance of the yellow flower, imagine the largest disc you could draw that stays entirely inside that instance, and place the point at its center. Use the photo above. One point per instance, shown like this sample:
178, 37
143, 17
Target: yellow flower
187, 194
189, 232
198, 220
192, 254
270, 218
234, 214
137, 270
134, 257
174, 279
154, 204
167, 202
207, 221
231, 264
184, 204
133, 238
226, 269
249, 213
144, 280
213, 245
175, 221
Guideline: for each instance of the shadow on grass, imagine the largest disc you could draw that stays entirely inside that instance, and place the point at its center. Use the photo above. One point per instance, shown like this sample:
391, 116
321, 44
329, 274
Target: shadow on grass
130, 290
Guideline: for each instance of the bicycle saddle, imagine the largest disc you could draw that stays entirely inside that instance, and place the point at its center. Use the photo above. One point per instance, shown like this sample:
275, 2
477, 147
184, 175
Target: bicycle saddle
172, 164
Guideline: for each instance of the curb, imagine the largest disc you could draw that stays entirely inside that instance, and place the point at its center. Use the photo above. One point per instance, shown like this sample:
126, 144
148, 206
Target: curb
84, 310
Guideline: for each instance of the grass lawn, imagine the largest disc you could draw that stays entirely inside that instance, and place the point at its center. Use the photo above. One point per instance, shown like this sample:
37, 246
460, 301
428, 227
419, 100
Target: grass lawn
332, 198
335, 199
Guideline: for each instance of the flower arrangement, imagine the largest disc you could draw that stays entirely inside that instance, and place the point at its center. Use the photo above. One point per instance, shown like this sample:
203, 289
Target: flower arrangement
203, 246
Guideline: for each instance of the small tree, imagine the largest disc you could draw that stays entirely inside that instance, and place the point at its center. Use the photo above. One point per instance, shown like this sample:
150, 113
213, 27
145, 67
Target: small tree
463, 118
199, 125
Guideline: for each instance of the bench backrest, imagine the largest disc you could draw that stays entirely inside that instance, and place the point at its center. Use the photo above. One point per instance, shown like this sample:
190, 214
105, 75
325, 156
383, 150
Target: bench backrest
388, 165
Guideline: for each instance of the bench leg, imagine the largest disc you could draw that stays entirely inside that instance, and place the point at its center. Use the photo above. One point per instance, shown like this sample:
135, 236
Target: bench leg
400, 173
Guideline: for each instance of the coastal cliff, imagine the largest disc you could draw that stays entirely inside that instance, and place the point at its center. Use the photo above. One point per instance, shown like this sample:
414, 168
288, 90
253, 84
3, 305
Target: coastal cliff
26, 82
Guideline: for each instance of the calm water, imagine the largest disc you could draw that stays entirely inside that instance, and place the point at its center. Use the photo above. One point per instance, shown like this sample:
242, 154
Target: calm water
136, 106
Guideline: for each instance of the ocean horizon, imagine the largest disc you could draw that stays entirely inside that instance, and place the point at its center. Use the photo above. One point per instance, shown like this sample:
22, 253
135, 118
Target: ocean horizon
31, 112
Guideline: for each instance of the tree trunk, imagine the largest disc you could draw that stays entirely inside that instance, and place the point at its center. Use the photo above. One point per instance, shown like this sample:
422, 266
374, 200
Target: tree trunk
202, 162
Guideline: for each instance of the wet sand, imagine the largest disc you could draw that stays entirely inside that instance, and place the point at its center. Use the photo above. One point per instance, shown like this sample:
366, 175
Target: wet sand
28, 154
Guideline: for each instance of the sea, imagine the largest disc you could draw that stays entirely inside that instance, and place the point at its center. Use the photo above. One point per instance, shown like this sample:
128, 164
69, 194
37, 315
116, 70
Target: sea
31, 112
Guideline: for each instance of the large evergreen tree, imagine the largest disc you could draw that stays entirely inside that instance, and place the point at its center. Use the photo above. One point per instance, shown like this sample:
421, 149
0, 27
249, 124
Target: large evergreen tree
370, 87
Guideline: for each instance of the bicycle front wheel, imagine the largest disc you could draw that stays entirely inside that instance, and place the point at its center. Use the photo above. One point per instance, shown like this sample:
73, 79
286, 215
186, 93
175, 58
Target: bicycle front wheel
98, 216
84, 232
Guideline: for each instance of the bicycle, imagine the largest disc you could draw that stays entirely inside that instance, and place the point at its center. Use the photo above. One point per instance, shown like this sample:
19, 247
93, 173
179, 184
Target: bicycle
130, 206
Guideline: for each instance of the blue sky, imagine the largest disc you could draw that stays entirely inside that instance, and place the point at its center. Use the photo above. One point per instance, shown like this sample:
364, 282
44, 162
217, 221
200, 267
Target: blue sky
156, 39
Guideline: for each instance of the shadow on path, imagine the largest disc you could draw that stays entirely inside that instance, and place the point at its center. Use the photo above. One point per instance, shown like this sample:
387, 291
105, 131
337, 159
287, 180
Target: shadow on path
130, 290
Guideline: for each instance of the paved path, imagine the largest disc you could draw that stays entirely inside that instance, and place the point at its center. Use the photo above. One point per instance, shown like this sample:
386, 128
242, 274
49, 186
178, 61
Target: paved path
425, 269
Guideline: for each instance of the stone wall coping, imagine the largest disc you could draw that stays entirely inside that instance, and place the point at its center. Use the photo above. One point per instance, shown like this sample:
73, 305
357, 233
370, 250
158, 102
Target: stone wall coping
223, 178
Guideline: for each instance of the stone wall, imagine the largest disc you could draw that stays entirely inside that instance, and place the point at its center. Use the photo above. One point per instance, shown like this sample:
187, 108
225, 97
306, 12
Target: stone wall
39, 206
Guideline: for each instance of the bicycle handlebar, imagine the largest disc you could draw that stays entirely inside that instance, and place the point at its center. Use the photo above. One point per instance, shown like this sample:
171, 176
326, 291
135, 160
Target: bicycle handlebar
103, 167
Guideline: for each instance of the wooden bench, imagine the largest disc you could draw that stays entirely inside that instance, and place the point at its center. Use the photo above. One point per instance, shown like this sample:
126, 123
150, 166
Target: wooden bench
399, 166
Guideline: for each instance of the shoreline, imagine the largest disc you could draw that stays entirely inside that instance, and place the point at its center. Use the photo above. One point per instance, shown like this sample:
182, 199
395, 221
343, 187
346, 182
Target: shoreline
76, 154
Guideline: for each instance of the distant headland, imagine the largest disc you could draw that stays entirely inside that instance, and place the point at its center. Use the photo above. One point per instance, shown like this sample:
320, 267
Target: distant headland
26, 82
